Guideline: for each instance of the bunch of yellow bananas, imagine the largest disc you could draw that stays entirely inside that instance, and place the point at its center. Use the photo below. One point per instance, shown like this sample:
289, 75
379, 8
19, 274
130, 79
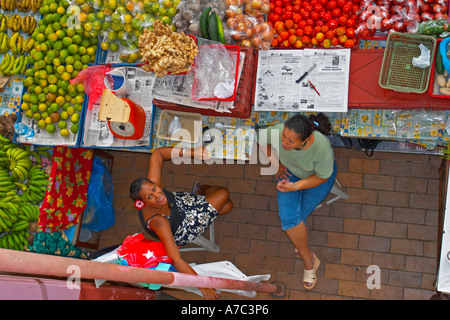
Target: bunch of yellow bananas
9, 5
4, 42
36, 5
11, 65
23, 5
3, 23
16, 43
13, 22
28, 24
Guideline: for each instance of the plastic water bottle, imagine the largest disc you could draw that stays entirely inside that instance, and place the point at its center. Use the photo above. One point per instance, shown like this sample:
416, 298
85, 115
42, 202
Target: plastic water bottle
24, 130
174, 126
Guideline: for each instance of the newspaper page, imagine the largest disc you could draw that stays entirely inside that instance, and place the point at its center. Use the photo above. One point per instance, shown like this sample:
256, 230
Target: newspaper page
97, 133
178, 89
323, 89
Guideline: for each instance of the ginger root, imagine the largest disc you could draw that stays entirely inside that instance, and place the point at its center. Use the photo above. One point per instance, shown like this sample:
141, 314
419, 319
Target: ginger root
166, 51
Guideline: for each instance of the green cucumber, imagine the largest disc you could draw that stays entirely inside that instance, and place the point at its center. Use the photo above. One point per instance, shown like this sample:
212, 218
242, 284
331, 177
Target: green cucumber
220, 33
439, 64
204, 23
212, 27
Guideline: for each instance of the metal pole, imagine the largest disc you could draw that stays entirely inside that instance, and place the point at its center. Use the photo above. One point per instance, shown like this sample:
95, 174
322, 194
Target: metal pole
41, 264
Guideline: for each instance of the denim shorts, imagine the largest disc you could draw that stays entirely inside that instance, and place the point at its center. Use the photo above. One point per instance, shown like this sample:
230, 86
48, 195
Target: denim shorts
295, 206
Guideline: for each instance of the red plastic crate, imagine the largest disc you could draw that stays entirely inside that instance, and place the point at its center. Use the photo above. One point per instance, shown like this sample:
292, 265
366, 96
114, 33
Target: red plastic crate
244, 95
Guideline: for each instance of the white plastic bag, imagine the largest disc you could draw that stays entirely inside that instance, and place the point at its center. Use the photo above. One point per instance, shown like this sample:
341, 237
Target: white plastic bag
214, 72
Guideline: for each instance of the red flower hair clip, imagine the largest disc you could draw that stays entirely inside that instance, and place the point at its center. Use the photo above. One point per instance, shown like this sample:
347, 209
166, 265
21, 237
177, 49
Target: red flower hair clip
139, 204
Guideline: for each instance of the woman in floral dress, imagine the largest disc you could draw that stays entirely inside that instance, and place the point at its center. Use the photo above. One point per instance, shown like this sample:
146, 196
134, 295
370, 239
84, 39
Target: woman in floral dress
177, 218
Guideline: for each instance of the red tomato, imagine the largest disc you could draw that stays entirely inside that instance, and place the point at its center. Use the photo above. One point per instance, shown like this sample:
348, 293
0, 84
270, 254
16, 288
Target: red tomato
302, 24
320, 23
278, 10
342, 20
289, 7
308, 30
319, 7
288, 15
278, 3
350, 33
327, 17
297, 17
341, 3
298, 44
299, 32
347, 8
333, 24
289, 23
349, 43
323, 2
306, 14
336, 12
340, 31
315, 15
329, 34
351, 22
292, 38
306, 39
331, 5
279, 26
296, 8
284, 35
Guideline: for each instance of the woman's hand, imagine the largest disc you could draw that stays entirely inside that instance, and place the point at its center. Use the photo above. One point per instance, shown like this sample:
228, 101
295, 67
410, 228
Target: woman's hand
286, 186
209, 294
283, 173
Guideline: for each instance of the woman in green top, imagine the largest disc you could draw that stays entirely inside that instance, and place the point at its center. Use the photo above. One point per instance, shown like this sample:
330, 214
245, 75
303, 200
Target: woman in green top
305, 175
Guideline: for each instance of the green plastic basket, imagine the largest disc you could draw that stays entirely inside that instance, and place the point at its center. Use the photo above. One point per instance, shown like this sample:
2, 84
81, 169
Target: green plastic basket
397, 71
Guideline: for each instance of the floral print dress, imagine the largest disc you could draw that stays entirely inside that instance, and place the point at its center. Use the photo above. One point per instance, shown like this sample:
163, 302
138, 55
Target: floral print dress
196, 216
67, 190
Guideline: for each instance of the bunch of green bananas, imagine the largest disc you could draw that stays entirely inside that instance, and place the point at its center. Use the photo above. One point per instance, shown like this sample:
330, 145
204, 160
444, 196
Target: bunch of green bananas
20, 163
11, 65
16, 240
9, 212
36, 185
28, 24
7, 186
4, 42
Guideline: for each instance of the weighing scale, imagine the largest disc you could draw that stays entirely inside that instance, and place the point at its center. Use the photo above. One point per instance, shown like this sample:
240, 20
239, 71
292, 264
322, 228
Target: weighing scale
125, 119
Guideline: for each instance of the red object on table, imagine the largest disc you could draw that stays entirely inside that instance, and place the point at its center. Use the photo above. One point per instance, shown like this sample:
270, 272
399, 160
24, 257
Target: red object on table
365, 92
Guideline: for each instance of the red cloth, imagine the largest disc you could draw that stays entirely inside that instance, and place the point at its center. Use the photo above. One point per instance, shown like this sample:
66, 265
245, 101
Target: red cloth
66, 195
143, 253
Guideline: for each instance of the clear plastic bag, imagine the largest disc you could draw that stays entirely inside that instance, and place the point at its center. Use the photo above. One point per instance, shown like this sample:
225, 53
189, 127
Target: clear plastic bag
215, 65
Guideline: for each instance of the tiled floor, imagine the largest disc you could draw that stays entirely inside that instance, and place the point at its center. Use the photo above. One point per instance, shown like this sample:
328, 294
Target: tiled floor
390, 221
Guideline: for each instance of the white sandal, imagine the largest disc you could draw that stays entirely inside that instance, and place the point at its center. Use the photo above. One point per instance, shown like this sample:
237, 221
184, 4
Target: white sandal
309, 276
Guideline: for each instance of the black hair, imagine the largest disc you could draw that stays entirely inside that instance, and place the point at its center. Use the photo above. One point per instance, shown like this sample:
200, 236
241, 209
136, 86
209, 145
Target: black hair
304, 126
136, 187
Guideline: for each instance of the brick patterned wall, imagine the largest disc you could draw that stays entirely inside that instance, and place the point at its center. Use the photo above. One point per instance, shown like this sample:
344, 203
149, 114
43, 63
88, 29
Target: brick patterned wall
390, 220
